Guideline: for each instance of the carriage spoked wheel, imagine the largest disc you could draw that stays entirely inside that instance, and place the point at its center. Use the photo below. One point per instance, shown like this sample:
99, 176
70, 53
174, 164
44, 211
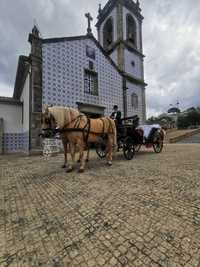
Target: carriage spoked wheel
137, 147
158, 144
128, 148
101, 150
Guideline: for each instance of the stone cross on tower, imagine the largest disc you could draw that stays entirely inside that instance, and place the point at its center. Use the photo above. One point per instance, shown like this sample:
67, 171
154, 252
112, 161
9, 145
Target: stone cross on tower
89, 17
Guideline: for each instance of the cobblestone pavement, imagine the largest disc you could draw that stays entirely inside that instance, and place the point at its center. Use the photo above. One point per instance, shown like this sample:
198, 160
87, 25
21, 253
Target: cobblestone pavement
144, 212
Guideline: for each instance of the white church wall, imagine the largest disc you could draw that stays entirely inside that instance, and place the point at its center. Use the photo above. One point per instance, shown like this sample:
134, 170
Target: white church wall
133, 64
12, 122
12, 115
125, 12
25, 100
113, 14
63, 76
132, 88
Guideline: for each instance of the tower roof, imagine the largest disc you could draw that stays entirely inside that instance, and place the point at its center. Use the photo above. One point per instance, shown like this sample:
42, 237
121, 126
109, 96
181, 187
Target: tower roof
129, 4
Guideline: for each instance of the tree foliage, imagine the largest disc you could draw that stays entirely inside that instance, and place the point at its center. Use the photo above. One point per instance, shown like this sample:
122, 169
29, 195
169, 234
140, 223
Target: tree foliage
191, 118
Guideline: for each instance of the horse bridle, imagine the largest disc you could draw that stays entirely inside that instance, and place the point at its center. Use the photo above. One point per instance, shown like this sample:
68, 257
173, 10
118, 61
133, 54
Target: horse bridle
64, 129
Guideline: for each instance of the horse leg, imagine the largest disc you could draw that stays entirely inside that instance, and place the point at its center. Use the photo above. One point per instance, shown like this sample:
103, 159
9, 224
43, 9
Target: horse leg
88, 154
79, 160
109, 149
82, 158
73, 153
65, 145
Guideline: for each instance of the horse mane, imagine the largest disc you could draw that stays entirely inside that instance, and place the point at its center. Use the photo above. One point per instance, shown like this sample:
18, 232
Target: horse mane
63, 115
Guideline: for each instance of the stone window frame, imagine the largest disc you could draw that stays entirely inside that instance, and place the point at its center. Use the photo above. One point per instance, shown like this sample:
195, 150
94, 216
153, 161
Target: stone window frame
134, 101
129, 18
106, 45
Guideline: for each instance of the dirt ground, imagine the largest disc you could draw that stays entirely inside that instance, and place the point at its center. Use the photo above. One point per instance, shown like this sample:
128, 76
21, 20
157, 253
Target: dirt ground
144, 212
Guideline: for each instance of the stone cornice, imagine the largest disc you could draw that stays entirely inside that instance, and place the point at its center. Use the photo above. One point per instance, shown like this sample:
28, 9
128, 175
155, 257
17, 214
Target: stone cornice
10, 101
127, 45
134, 80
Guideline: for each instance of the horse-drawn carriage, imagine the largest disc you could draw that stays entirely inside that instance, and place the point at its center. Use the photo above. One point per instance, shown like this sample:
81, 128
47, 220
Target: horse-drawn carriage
131, 136
79, 131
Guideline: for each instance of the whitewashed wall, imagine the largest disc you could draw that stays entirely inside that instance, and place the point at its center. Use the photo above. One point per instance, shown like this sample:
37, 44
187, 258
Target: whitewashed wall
63, 76
25, 100
13, 138
132, 88
12, 116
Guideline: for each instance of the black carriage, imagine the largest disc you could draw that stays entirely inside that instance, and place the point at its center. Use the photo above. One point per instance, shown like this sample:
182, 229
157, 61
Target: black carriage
130, 138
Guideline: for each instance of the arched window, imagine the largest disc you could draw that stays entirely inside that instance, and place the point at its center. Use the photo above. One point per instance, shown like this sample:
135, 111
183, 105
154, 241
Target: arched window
131, 30
108, 33
134, 101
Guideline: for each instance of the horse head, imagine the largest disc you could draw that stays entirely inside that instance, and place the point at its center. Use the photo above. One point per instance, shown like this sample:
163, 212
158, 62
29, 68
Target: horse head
48, 124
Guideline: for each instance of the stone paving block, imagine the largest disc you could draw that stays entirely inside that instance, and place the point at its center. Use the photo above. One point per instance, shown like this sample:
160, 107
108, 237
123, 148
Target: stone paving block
139, 213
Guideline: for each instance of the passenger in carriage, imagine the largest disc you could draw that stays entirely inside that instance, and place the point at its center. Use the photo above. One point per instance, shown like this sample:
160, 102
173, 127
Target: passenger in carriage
116, 115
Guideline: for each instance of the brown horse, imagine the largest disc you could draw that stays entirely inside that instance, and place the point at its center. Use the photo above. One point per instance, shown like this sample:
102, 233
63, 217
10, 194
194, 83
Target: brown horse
80, 131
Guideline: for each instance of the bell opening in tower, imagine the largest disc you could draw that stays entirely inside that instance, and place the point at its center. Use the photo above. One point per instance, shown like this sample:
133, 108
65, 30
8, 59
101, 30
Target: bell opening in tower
131, 30
108, 34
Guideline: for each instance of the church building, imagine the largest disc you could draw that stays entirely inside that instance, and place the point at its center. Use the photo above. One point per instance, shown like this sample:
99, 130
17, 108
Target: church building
81, 72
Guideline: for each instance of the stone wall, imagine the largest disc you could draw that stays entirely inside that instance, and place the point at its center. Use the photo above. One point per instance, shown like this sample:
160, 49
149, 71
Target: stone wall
1, 136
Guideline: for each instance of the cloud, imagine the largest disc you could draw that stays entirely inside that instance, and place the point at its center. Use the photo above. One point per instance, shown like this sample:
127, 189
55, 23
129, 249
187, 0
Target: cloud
172, 45
171, 40
5, 90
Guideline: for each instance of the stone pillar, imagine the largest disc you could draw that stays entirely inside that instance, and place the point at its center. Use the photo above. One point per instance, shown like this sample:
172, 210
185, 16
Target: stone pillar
35, 89
1, 136
125, 97
144, 104
120, 49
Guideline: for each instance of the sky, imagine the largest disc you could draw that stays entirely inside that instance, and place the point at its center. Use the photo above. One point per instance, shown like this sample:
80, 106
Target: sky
171, 41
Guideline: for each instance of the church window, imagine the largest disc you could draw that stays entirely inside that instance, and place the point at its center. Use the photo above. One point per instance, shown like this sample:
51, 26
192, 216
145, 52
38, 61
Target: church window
91, 82
133, 63
108, 33
131, 32
134, 101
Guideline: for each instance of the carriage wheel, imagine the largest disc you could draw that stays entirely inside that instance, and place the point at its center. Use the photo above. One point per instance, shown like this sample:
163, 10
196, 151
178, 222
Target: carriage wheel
137, 147
101, 150
158, 144
128, 148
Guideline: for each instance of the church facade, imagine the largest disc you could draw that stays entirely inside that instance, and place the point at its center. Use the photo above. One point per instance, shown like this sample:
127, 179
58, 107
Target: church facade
81, 72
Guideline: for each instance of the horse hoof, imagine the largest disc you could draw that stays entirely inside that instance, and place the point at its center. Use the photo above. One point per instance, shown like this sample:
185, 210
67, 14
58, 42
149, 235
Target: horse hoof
69, 170
109, 163
81, 170
87, 160
63, 166
78, 161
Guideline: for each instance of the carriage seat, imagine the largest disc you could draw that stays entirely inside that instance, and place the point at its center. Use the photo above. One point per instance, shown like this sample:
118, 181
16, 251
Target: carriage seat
148, 131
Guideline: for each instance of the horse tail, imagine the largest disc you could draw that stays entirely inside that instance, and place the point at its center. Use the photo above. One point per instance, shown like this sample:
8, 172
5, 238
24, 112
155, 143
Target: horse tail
113, 131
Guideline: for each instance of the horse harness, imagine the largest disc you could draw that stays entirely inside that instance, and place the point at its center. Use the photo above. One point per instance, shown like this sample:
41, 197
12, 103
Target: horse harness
85, 130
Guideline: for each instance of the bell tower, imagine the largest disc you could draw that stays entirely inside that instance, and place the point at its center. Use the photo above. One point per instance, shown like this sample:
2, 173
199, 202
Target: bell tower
119, 26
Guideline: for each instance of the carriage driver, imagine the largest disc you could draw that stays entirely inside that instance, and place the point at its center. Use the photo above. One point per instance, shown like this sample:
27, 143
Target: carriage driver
116, 115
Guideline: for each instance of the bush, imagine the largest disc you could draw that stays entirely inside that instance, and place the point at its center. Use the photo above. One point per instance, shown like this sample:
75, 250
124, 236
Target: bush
188, 120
